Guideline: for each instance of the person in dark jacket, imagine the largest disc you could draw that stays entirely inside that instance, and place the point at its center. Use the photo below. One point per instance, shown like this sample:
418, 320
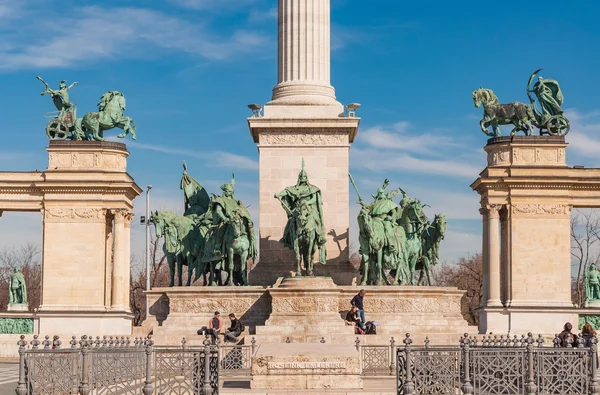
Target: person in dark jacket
352, 316
215, 325
566, 334
587, 333
357, 301
234, 330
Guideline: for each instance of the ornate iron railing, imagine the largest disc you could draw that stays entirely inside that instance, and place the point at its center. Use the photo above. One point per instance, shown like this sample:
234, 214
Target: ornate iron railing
498, 365
111, 366
236, 360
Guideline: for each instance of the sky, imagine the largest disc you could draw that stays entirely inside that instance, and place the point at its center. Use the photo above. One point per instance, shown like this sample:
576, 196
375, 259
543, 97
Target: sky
188, 69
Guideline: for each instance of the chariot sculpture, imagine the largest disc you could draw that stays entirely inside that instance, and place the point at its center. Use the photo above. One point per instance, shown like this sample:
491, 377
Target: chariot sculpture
547, 115
63, 123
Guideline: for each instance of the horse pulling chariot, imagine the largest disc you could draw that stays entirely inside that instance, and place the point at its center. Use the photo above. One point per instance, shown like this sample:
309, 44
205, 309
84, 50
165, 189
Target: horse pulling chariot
64, 124
547, 115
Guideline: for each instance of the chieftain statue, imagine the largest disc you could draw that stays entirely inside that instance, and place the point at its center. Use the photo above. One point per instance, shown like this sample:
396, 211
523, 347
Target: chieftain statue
17, 290
64, 123
592, 285
397, 238
547, 115
214, 236
304, 232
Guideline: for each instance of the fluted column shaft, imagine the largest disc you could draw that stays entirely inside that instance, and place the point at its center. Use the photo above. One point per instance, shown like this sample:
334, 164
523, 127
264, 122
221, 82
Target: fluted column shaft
493, 256
118, 260
304, 49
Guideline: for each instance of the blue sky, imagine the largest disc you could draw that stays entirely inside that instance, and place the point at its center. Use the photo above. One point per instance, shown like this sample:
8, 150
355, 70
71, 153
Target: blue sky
188, 68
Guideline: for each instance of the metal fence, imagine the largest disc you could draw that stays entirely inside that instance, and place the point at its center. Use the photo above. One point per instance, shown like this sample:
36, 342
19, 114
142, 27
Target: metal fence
499, 365
110, 366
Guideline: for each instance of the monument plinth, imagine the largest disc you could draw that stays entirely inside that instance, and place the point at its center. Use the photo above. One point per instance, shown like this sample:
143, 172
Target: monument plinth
527, 194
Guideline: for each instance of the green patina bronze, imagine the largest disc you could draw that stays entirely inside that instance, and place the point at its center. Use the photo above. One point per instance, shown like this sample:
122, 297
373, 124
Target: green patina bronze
397, 238
592, 284
547, 115
16, 326
592, 319
304, 231
213, 236
230, 240
64, 124
17, 288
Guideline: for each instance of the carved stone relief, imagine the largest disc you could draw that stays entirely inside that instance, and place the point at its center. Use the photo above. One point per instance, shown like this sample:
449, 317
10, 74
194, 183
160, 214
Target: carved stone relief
536, 209
75, 213
303, 138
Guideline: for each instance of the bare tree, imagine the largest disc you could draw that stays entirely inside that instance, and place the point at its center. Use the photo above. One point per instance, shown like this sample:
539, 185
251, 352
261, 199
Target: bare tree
465, 274
159, 277
27, 259
585, 236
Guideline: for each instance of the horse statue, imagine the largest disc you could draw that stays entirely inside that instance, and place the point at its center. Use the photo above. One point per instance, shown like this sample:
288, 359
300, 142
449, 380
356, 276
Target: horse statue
413, 221
376, 257
109, 116
520, 115
305, 243
431, 238
182, 244
240, 246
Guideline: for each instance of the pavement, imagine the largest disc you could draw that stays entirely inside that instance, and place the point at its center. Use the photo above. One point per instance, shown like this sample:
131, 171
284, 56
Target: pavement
9, 375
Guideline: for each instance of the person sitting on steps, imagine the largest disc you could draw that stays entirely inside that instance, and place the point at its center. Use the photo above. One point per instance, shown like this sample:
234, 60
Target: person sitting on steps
235, 330
215, 325
353, 319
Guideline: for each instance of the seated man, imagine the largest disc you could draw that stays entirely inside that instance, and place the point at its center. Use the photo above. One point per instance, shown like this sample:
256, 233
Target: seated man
352, 317
234, 330
215, 325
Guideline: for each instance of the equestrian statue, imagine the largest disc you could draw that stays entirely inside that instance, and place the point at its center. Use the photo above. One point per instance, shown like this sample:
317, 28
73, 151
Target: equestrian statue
304, 231
396, 240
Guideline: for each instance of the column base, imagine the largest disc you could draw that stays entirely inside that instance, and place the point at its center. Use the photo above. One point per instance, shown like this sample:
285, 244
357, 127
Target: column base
85, 323
522, 320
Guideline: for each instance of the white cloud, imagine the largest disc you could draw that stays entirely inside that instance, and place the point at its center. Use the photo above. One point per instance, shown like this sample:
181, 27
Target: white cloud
379, 160
95, 33
213, 5
584, 136
397, 137
216, 158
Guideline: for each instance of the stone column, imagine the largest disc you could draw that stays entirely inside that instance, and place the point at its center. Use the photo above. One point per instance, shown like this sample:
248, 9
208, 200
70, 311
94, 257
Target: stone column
127, 267
493, 234
485, 257
118, 288
505, 256
108, 259
304, 53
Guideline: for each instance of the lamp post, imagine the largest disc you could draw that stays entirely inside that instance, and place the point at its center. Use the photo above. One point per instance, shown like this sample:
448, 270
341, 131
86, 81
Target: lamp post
147, 224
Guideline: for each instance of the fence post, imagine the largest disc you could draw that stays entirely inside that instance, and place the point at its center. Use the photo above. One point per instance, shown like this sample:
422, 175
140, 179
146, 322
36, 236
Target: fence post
594, 386
21, 386
466, 387
148, 388
84, 388
393, 356
206, 388
530, 387
409, 387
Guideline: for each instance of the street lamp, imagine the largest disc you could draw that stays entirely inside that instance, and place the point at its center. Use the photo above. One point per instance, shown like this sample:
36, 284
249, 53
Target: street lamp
146, 222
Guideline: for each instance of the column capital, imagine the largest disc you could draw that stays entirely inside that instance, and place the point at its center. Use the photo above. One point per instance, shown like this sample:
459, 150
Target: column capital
120, 214
491, 210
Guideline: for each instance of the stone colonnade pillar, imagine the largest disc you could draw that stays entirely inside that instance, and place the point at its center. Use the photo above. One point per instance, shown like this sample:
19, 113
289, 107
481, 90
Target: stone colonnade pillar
527, 192
86, 202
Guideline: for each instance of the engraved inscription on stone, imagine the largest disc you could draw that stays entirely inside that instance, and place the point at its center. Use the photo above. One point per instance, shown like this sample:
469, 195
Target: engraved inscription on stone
306, 365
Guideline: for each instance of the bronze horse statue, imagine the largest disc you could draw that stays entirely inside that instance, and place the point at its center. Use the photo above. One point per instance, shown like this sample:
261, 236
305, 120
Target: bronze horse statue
520, 115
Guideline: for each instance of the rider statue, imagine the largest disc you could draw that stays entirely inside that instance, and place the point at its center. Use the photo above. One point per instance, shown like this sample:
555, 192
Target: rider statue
223, 210
17, 289
291, 199
385, 211
60, 97
592, 284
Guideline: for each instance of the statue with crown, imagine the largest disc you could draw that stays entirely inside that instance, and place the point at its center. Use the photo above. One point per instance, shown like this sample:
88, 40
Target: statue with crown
304, 232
